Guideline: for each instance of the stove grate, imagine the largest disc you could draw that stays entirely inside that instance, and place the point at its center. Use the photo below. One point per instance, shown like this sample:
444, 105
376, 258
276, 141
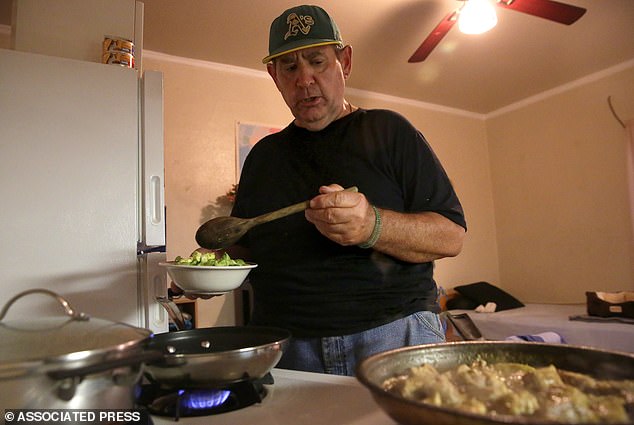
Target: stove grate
189, 402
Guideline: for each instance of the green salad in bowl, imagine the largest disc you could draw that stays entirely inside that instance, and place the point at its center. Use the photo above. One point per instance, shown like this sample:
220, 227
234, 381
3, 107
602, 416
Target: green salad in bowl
207, 273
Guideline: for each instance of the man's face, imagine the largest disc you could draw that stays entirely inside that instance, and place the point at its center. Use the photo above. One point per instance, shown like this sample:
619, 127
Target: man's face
312, 83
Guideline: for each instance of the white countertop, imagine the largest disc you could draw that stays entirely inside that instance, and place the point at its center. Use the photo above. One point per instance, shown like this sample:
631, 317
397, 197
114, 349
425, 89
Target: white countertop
302, 398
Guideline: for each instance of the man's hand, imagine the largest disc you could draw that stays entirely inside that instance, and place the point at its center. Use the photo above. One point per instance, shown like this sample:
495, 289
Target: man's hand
179, 292
348, 219
343, 217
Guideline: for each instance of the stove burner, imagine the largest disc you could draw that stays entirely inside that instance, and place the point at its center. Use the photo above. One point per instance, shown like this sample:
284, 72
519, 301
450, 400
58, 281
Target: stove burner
203, 399
202, 402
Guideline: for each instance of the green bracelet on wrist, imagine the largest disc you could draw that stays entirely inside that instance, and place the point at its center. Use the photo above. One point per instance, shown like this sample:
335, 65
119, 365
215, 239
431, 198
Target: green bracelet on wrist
376, 232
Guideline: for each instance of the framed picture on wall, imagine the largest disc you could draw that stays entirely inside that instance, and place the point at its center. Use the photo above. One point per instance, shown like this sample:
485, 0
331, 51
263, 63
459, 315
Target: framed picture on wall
247, 135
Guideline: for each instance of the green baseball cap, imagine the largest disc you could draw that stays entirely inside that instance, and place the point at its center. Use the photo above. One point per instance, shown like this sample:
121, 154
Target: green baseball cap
301, 27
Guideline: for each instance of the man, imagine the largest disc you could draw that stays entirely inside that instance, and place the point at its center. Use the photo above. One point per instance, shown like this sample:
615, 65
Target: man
353, 275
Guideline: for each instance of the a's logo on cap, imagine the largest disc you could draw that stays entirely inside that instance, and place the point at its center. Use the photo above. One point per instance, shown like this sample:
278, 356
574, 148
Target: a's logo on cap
297, 24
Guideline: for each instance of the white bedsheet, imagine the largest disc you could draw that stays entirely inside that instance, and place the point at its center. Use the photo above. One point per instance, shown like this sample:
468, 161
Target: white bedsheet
537, 318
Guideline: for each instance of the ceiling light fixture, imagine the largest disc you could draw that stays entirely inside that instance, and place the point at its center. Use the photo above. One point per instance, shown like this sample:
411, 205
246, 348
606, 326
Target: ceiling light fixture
476, 17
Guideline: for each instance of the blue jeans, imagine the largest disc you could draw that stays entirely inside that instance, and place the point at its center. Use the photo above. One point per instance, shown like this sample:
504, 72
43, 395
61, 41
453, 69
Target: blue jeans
339, 355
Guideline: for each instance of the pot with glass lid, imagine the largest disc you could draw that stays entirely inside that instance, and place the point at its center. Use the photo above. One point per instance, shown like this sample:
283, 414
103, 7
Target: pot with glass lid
69, 361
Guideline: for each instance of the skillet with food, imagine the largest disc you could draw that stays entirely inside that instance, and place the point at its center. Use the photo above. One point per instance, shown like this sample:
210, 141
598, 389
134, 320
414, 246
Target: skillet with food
419, 406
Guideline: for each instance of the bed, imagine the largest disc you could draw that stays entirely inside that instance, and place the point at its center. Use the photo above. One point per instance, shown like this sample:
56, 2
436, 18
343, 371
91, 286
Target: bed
538, 318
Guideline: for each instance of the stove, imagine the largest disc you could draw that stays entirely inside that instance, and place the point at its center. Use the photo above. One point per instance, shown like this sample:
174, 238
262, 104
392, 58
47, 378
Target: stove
293, 397
188, 402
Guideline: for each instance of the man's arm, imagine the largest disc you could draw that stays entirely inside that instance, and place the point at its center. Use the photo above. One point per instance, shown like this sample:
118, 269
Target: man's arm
349, 219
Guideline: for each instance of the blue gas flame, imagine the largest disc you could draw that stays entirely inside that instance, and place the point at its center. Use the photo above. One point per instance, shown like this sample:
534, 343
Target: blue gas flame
203, 399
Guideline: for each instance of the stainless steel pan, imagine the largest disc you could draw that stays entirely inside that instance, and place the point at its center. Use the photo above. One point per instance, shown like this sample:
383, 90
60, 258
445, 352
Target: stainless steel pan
373, 371
212, 357
69, 360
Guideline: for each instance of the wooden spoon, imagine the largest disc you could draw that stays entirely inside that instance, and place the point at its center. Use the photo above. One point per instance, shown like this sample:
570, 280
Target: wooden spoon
222, 232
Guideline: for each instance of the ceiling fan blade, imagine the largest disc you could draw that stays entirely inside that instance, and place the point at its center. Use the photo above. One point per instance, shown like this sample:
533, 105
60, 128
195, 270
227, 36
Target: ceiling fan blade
434, 38
548, 9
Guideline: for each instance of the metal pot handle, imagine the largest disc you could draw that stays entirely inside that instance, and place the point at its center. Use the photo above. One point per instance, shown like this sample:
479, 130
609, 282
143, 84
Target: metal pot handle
465, 326
106, 365
70, 311
173, 311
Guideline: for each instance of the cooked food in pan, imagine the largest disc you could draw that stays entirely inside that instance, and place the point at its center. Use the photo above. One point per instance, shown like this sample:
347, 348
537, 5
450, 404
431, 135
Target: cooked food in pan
544, 393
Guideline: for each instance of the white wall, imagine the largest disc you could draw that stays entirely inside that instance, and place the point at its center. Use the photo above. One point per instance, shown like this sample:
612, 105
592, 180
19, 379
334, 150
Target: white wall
558, 167
75, 29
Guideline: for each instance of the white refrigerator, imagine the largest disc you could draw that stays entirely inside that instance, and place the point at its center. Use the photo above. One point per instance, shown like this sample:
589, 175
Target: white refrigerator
81, 188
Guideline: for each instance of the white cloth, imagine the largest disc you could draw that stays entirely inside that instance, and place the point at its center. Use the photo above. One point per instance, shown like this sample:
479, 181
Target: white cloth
549, 337
487, 308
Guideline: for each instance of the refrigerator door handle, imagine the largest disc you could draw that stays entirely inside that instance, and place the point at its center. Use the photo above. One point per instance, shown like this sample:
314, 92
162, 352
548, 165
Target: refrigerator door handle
142, 248
152, 163
156, 200
152, 285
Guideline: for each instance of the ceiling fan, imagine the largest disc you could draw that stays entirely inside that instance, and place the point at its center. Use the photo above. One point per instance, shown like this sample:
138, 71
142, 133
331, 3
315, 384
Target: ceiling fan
547, 9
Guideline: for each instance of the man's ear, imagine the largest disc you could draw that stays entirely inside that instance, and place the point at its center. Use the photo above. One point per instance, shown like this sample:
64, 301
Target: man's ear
346, 60
270, 67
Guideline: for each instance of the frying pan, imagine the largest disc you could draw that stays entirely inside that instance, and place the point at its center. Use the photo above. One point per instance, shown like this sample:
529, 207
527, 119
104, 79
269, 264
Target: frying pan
374, 370
215, 357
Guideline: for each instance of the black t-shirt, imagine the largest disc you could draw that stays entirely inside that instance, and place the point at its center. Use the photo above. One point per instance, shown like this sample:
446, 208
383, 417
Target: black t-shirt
308, 284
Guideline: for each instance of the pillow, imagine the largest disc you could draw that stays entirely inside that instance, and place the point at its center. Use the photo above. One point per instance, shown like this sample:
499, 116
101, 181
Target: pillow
483, 292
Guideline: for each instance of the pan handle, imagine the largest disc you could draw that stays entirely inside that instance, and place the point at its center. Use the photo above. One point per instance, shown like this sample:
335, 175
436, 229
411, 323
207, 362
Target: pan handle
466, 327
142, 357
173, 311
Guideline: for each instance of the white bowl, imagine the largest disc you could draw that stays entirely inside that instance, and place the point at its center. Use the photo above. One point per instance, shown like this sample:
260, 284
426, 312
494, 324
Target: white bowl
207, 280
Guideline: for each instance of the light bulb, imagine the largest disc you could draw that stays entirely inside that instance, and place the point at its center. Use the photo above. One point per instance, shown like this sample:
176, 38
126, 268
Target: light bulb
476, 17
